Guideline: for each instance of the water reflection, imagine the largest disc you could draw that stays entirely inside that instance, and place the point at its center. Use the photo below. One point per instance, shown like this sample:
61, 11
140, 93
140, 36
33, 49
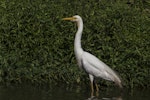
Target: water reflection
108, 94
66, 93
113, 98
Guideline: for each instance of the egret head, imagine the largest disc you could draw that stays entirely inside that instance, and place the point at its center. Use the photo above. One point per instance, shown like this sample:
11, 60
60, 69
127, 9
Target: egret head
75, 18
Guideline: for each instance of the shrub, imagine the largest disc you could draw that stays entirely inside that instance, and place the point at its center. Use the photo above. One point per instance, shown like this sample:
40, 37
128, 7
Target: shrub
37, 46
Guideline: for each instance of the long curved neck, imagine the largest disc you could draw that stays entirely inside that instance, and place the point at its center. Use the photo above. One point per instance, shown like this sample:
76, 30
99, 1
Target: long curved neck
77, 42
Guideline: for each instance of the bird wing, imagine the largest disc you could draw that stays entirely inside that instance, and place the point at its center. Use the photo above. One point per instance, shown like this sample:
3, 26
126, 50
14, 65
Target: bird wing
97, 68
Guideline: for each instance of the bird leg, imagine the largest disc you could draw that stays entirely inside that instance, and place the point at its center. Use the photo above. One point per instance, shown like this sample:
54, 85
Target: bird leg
92, 90
97, 90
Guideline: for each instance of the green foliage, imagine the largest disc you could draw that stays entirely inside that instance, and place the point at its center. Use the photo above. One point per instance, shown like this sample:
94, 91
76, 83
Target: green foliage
37, 46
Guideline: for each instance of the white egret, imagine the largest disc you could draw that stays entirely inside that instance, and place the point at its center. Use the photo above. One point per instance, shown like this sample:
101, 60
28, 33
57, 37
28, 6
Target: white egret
88, 62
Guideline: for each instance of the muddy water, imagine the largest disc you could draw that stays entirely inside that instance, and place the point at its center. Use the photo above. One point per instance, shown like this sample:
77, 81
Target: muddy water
62, 92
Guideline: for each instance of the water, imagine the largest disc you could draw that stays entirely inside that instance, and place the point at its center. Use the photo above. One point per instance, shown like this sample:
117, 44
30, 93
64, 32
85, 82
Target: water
28, 92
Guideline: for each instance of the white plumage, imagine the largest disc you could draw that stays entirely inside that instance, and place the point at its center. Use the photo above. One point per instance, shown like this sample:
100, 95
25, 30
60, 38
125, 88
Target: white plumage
91, 64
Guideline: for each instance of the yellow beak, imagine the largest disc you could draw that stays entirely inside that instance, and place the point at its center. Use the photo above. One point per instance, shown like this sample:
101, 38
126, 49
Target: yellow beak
69, 18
